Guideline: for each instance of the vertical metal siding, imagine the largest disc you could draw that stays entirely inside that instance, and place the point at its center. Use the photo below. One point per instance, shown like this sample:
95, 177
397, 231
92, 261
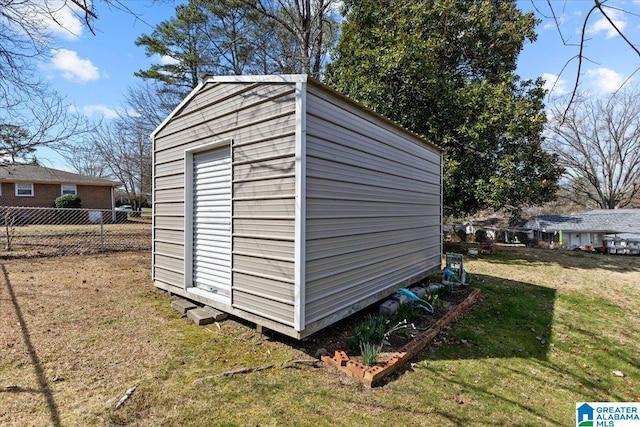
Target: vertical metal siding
260, 119
373, 205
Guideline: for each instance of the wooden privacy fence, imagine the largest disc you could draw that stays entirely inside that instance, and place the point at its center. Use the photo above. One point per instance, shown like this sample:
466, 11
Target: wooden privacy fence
31, 232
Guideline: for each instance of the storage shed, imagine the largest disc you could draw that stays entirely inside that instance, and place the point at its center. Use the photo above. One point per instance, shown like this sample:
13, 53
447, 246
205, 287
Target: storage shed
284, 203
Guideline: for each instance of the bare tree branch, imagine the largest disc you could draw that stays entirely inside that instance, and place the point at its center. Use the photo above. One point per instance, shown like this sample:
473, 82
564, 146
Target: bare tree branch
602, 7
26, 100
598, 143
580, 57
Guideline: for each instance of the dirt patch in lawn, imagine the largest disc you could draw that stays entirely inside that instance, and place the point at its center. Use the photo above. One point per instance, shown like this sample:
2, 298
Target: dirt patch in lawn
75, 332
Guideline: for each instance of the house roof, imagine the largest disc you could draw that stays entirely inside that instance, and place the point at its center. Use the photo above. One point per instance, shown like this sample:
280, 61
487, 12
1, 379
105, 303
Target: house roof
42, 175
610, 221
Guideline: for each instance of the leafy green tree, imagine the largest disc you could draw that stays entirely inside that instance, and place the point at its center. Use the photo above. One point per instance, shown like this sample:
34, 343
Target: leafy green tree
445, 70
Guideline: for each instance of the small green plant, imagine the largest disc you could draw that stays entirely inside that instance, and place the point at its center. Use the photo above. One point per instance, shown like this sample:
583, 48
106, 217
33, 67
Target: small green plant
436, 299
370, 352
408, 312
371, 331
443, 291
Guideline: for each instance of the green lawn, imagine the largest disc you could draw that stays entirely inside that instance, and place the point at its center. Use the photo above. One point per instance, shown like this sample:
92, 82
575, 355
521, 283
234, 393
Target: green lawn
549, 331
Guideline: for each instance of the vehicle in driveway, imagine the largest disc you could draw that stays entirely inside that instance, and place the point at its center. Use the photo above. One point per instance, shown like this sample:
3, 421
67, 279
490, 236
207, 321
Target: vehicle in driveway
126, 208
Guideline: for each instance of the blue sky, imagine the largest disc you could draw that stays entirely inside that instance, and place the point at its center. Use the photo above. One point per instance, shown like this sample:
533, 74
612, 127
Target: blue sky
609, 61
95, 71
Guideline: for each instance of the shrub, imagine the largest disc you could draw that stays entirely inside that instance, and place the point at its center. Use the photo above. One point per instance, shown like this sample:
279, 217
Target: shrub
67, 201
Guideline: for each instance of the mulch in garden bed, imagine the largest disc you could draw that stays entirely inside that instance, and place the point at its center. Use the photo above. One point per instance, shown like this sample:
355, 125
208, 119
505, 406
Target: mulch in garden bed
336, 337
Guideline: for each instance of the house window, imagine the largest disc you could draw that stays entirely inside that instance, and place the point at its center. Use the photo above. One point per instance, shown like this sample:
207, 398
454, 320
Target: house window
69, 189
24, 190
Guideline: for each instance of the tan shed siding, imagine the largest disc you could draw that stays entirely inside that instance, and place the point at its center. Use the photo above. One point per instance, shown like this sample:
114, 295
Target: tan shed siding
171, 195
265, 188
373, 205
263, 226
260, 119
264, 305
173, 209
257, 246
276, 126
173, 278
169, 181
274, 289
169, 236
194, 127
172, 249
270, 147
170, 168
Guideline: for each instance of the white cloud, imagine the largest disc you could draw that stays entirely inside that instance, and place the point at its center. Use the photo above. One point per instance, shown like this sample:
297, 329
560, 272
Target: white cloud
165, 60
57, 17
605, 79
68, 25
74, 67
132, 112
101, 110
98, 109
603, 25
554, 84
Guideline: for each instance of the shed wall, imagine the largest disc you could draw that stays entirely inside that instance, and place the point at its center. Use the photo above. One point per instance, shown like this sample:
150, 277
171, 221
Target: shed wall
260, 120
373, 206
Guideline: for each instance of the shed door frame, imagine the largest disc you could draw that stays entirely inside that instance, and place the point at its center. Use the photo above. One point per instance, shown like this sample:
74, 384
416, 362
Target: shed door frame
188, 217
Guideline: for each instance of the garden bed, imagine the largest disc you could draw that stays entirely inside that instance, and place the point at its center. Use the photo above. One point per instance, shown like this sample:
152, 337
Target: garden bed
405, 334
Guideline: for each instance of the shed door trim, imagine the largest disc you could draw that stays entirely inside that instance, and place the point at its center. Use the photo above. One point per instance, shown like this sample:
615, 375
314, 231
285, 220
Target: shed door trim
189, 216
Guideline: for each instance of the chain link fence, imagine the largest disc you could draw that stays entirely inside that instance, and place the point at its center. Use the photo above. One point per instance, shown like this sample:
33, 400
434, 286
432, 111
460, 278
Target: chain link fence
34, 232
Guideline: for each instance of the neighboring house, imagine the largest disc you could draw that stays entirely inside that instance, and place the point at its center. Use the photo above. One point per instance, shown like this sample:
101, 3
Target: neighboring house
37, 186
610, 230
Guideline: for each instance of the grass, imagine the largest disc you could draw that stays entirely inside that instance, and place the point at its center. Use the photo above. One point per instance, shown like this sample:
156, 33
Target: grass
79, 331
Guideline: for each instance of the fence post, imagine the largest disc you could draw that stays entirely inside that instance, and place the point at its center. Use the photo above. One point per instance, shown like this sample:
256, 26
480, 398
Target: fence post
101, 233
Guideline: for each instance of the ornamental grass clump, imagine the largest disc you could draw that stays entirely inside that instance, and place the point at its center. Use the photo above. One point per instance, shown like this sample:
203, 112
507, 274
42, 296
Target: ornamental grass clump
371, 331
370, 353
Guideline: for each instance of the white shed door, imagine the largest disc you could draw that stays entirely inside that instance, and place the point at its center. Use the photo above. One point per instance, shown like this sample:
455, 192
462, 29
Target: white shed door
212, 222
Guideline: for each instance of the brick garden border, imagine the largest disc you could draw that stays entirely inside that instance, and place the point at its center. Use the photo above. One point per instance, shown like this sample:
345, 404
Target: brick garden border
372, 375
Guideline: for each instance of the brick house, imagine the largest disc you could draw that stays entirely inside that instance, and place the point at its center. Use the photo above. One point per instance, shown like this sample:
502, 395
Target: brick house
38, 186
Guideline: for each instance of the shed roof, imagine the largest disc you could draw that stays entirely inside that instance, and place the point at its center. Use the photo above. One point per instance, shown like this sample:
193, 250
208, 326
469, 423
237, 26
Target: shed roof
600, 220
42, 175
